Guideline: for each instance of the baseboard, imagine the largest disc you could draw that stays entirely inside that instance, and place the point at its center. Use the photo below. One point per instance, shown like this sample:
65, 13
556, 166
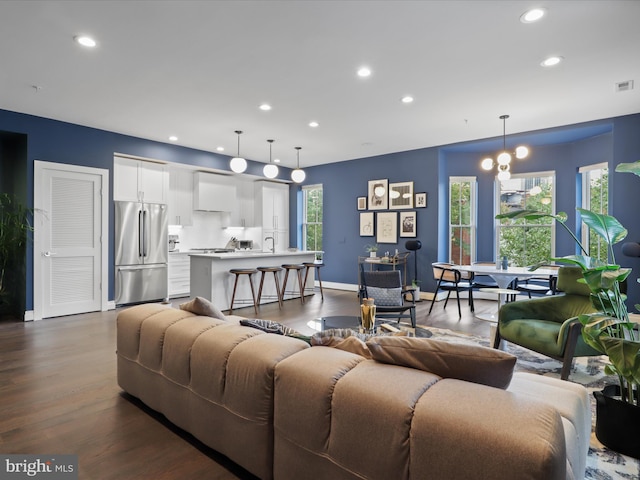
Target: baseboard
28, 316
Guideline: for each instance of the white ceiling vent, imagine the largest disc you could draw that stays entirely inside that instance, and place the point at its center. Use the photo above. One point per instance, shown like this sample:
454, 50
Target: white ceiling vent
624, 86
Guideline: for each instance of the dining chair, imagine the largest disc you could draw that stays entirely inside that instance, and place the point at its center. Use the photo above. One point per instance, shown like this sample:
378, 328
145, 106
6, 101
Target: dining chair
391, 298
538, 285
450, 279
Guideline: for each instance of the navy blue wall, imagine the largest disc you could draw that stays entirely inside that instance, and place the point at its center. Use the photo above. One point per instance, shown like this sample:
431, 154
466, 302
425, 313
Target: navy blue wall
562, 149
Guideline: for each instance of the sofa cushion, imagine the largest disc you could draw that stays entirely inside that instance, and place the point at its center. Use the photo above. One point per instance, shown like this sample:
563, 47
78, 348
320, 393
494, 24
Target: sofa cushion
472, 363
202, 306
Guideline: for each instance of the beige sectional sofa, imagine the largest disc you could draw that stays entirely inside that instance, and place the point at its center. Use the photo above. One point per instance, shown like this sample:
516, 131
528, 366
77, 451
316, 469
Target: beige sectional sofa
282, 409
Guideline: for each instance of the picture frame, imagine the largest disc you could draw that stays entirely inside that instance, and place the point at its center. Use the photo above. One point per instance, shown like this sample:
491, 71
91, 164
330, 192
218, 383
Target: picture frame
378, 194
387, 227
401, 195
421, 200
366, 224
362, 203
408, 224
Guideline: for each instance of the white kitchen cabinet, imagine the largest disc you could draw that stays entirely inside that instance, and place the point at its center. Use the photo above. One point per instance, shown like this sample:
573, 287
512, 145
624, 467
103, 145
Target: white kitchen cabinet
213, 193
272, 213
179, 276
243, 214
140, 181
180, 196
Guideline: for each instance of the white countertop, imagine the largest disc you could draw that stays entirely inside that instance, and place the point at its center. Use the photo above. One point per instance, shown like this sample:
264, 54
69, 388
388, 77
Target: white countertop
248, 254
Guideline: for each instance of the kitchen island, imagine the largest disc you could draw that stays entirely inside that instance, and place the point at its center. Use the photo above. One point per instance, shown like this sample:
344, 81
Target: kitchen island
210, 277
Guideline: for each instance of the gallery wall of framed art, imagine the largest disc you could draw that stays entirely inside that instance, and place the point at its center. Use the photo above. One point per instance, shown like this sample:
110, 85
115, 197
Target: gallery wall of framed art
377, 217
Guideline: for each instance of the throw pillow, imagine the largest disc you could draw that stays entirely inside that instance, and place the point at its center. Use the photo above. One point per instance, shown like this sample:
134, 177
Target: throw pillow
270, 326
471, 363
202, 306
386, 297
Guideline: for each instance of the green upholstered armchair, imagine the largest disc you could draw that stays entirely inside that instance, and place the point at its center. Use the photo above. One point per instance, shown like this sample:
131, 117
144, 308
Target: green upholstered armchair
550, 325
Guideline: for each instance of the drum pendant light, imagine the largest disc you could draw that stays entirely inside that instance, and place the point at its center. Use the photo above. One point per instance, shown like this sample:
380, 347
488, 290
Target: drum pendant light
270, 170
298, 174
238, 164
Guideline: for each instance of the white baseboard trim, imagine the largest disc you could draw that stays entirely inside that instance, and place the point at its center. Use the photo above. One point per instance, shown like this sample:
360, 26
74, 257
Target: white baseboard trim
111, 305
28, 316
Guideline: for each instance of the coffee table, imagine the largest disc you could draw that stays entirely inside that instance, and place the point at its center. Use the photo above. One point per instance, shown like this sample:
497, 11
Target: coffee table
353, 322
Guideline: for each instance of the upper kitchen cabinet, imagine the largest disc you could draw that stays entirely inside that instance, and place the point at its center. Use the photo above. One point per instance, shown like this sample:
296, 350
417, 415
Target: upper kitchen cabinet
140, 181
180, 196
213, 193
272, 205
243, 214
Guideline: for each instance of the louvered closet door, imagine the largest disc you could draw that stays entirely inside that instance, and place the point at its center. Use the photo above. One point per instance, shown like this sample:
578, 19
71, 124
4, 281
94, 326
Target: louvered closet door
70, 249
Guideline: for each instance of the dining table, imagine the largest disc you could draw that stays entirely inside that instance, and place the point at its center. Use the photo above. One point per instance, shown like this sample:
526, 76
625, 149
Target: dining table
503, 278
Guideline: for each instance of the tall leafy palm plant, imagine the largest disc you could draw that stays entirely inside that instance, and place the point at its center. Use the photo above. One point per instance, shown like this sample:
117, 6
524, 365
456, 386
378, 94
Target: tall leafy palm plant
14, 235
609, 330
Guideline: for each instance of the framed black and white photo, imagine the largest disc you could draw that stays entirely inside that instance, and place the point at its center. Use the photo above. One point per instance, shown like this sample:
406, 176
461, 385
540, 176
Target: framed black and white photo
366, 224
378, 194
387, 227
407, 224
421, 200
401, 195
362, 203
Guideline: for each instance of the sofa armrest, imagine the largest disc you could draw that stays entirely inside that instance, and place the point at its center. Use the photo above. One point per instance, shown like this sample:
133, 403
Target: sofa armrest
557, 308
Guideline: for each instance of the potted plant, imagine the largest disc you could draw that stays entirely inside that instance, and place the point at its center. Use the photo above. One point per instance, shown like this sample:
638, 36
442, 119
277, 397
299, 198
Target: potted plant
609, 330
14, 229
372, 249
415, 285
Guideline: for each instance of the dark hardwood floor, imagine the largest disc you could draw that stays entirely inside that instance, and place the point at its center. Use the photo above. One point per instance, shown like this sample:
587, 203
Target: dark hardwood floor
59, 395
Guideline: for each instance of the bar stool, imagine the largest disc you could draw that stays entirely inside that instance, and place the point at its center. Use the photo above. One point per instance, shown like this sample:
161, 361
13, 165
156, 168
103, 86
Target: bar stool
275, 271
238, 272
317, 266
297, 267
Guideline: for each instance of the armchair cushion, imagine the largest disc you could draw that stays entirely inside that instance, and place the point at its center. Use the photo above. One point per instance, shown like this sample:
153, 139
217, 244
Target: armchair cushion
448, 360
386, 297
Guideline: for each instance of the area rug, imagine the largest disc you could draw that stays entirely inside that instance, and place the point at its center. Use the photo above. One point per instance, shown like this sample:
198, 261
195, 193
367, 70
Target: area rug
602, 463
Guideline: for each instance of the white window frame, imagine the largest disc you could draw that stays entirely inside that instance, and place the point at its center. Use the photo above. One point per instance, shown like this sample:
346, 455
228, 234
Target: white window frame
305, 221
473, 181
585, 177
496, 207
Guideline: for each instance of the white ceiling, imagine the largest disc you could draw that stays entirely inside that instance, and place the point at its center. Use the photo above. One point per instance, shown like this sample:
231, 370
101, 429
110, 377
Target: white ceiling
200, 69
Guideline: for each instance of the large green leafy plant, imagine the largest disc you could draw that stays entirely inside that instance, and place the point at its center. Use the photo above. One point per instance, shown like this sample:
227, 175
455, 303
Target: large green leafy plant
14, 234
609, 330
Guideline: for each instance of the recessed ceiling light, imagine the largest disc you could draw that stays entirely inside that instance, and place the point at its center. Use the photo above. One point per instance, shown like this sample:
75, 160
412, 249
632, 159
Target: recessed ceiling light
173, 138
551, 61
533, 15
407, 99
85, 41
314, 124
276, 160
220, 149
265, 107
364, 71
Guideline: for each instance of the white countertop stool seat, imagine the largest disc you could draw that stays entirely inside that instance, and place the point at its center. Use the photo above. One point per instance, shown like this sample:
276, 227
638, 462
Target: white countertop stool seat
275, 270
238, 272
297, 268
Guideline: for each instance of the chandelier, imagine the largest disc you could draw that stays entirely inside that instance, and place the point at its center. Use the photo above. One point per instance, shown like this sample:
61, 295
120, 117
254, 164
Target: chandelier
503, 160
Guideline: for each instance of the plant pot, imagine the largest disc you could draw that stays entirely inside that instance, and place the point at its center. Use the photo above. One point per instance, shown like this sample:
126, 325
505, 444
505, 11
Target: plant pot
617, 421
372, 254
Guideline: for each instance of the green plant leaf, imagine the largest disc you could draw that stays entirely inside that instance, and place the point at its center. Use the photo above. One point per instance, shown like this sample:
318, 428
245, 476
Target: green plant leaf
531, 215
625, 357
629, 168
605, 226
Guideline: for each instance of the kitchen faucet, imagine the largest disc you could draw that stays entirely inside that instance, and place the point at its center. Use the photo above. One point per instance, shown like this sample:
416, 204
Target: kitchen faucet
273, 243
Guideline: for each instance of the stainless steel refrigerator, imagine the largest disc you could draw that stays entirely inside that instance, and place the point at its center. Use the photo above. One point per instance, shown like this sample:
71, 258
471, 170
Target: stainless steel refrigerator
141, 254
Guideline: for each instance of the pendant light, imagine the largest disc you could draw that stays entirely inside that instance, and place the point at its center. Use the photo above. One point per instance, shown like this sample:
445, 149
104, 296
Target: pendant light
503, 159
238, 164
298, 174
270, 170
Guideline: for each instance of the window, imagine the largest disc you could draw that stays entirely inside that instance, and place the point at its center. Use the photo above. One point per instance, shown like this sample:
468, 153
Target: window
312, 217
462, 220
595, 197
525, 242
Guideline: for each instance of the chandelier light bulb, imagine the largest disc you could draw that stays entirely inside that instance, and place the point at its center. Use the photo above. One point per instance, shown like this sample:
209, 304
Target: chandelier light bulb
522, 152
504, 175
504, 158
487, 163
